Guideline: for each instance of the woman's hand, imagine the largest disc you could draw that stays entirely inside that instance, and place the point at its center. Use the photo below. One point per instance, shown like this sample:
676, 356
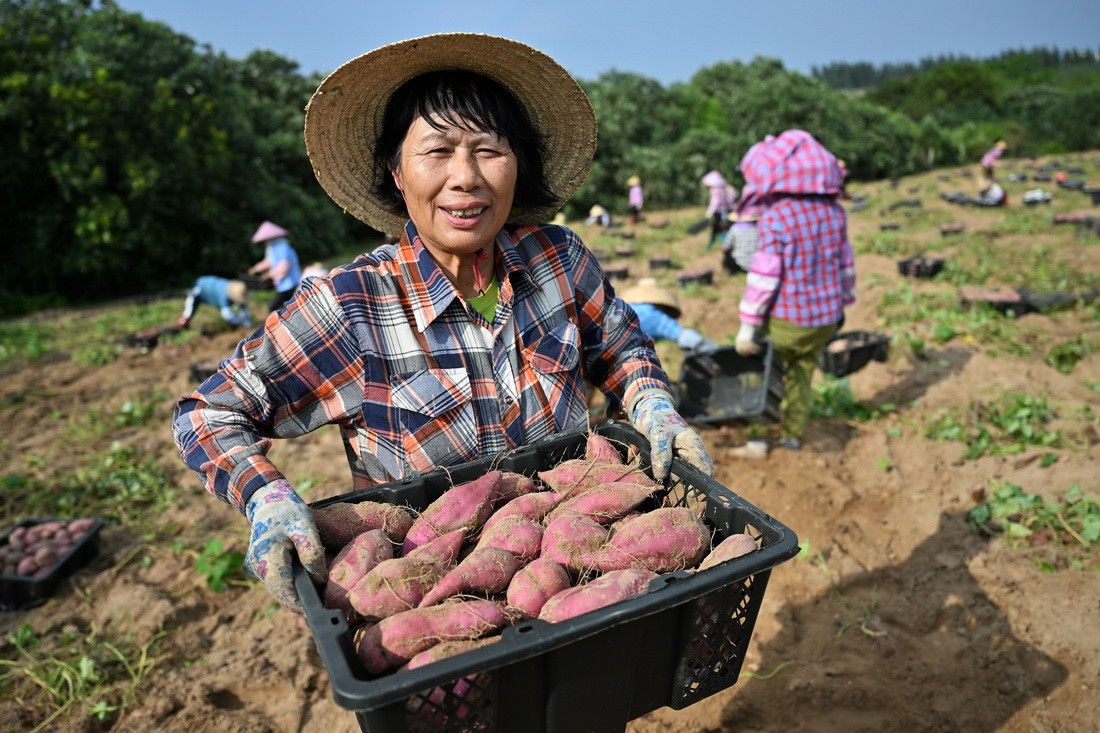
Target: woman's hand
283, 525
668, 433
745, 343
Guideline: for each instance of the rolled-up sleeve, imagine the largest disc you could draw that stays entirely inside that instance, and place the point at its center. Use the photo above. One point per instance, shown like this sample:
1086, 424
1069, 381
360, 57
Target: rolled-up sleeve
299, 371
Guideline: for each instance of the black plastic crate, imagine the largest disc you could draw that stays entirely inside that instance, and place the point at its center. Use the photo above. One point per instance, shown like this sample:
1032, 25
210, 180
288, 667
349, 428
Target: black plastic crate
726, 387
203, 370
682, 641
922, 267
19, 591
850, 351
150, 337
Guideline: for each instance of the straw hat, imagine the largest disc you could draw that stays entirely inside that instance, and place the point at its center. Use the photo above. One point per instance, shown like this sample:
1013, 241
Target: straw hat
344, 117
268, 231
597, 210
559, 219
648, 291
1000, 144
634, 181
236, 291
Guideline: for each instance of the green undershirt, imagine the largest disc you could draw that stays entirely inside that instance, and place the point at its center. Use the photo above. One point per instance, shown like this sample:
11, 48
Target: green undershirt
486, 303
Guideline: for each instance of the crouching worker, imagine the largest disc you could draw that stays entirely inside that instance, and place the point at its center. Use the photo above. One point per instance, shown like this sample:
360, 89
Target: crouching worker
658, 313
802, 275
230, 297
471, 335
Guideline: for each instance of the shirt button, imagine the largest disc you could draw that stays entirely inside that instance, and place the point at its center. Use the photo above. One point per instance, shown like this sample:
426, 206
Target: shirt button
509, 399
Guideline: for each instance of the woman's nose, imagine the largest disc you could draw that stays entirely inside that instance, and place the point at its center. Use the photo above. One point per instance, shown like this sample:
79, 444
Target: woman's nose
465, 172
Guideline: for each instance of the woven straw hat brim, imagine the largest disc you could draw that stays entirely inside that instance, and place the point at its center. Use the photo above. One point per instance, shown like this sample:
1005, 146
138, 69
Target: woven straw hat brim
648, 291
344, 117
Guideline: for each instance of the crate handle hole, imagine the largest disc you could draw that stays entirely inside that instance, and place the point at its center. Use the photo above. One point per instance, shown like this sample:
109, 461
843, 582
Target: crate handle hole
524, 628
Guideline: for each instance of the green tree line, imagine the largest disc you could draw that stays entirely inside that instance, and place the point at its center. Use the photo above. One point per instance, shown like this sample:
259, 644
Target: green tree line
135, 159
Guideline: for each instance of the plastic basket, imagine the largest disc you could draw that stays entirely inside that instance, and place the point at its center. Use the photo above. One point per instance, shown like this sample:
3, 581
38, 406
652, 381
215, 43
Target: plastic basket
725, 387
682, 641
922, 267
617, 272
19, 591
850, 351
701, 277
150, 337
203, 370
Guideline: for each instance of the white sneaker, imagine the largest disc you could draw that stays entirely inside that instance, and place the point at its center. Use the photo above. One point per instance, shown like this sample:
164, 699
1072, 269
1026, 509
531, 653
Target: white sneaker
753, 450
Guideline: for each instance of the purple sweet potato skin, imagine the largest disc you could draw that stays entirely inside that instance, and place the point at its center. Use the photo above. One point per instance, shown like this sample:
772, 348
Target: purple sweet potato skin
396, 585
618, 585
394, 641
447, 649
663, 540
484, 571
604, 504
338, 524
352, 563
573, 540
512, 485
533, 506
515, 533
599, 448
463, 507
443, 549
578, 475
734, 546
535, 584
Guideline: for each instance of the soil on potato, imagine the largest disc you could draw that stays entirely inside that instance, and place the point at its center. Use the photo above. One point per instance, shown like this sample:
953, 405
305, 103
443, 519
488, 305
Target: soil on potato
900, 618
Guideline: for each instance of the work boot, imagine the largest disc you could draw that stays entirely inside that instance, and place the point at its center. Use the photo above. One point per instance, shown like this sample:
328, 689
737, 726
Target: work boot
752, 450
790, 443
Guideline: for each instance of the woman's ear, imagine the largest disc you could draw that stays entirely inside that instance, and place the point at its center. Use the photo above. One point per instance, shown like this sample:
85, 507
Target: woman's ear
396, 173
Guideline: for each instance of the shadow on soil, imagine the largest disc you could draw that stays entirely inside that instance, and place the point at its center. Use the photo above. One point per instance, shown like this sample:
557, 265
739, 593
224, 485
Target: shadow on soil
914, 646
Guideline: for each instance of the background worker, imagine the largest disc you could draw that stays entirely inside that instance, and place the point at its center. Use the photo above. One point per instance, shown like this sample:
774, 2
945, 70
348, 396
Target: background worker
659, 311
802, 275
599, 215
230, 297
719, 205
992, 158
280, 263
635, 198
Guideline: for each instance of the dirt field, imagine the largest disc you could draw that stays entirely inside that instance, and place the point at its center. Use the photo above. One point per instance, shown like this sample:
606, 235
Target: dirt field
899, 617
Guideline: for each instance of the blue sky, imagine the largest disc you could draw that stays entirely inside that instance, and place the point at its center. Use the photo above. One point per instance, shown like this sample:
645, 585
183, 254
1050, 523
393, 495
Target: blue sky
667, 40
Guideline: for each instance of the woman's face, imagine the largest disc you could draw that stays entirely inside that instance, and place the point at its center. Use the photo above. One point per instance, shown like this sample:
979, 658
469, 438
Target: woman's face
458, 186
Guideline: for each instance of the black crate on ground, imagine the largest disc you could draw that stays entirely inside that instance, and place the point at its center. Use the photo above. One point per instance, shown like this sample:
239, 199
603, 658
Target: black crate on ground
725, 387
617, 272
254, 282
701, 277
624, 251
923, 267
19, 591
682, 641
850, 351
150, 337
889, 227
203, 370
660, 263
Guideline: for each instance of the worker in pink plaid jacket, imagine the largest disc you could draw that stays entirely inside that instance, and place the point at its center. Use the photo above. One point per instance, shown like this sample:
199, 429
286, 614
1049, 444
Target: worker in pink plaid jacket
803, 273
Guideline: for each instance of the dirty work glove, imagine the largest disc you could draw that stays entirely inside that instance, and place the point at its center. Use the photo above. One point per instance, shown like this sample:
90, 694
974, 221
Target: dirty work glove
691, 340
656, 418
745, 343
282, 526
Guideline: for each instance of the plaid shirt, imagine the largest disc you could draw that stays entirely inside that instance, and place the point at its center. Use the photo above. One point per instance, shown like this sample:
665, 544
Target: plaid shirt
992, 157
388, 350
803, 270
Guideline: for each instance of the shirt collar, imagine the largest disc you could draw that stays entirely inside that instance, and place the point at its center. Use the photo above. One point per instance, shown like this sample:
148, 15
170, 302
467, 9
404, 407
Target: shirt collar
428, 289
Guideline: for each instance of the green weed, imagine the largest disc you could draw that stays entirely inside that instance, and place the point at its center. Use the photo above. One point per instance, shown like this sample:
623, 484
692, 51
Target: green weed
1004, 426
1056, 533
1064, 356
833, 398
219, 565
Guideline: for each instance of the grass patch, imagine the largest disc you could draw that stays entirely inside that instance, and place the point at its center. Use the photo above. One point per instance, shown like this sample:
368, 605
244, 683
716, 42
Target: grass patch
936, 316
833, 398
1057, 534
1005, 426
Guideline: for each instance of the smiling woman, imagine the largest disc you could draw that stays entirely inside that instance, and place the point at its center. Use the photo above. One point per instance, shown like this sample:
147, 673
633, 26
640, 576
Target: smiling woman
473, 334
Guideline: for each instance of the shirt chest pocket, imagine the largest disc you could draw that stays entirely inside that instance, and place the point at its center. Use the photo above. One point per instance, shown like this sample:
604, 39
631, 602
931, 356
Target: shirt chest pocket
555, 361
436, 416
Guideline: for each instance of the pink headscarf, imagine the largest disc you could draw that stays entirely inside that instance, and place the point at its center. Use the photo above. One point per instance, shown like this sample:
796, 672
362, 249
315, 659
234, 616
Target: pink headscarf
268, 231
794, 163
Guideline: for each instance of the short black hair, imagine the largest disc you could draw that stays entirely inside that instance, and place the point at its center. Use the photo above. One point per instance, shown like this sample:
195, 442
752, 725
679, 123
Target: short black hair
468, 101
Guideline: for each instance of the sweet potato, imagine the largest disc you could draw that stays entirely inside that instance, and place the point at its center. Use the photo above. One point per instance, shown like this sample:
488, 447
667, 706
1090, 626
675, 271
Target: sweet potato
618, 585
573, 540
394, 641
484, 571
512, 485
577, 475
605, 504
599, 448
396, 585
463, 507
533, 506
663, 540
515, 533
447, 649
535, 584
338, 524
732, 547
352, 563
443, 549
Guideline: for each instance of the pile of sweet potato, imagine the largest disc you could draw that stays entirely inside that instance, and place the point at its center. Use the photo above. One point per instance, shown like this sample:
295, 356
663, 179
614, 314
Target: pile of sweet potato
505, 548
34, 550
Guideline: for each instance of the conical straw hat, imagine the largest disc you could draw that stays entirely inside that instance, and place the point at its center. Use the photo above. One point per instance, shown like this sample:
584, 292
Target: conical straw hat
648, 291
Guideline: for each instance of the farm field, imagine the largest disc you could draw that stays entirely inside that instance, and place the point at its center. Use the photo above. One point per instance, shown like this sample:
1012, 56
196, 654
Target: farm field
901, 614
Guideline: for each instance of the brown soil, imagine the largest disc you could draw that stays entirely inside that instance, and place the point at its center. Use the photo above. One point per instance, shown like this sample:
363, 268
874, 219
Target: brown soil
902, 618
